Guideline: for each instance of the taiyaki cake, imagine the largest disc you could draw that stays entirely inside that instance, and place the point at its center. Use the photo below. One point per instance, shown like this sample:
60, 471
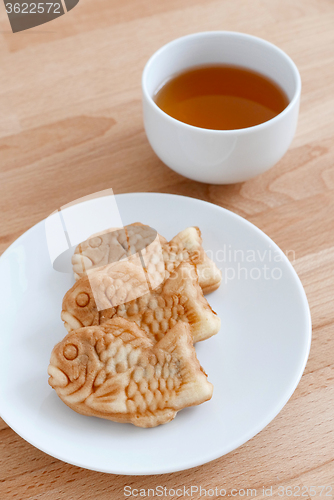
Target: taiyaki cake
159, 257
179, 298
114, 371
113, 245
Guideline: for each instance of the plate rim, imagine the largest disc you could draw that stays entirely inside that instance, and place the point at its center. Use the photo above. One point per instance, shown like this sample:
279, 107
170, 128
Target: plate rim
257, 429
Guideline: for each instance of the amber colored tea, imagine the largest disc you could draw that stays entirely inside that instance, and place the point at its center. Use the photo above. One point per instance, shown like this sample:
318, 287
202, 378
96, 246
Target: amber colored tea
221, 97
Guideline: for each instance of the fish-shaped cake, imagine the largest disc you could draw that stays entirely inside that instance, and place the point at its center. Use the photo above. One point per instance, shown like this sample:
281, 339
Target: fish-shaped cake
179, 298
114, 371
116, 244
159, 256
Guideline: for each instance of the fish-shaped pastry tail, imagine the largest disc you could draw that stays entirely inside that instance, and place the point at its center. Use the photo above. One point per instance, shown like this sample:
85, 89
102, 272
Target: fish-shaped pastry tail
156, 312
195, 387
188, 244
114, 371
183, 286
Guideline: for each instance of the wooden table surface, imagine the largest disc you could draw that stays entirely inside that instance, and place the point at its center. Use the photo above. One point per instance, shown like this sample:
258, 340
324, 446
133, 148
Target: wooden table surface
71, 125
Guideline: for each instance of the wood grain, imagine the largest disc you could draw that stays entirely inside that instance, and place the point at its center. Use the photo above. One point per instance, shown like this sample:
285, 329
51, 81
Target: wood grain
71, 124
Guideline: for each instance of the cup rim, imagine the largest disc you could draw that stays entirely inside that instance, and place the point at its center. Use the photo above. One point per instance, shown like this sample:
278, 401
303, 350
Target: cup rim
205, 34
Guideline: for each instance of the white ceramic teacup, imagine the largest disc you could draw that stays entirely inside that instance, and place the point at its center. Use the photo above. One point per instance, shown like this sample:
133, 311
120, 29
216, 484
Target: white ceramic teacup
220, 156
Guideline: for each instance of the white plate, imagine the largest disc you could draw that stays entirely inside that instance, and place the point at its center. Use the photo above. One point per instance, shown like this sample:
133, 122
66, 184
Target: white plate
254, 363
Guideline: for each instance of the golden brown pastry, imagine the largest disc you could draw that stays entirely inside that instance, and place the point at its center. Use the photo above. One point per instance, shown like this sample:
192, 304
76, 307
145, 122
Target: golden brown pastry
156, 254
187, 246
180, 298
114, 371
